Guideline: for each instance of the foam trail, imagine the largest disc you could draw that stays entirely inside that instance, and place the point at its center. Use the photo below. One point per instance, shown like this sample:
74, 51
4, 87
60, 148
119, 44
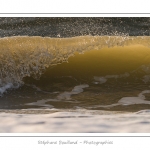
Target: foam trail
76, 90
140, 99
63, 96
102, 80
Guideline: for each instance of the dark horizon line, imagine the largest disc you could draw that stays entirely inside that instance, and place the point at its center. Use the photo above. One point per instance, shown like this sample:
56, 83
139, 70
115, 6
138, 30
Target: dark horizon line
74, 13
74, 136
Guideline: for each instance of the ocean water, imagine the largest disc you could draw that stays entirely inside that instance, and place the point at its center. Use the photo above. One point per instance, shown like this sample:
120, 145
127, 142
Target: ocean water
75, 74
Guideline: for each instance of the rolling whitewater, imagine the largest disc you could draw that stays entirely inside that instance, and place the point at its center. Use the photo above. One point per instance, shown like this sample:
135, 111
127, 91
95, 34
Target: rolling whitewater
89, 68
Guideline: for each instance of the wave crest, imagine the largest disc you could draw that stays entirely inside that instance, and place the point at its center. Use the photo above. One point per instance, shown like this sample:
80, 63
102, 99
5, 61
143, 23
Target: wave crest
23, 56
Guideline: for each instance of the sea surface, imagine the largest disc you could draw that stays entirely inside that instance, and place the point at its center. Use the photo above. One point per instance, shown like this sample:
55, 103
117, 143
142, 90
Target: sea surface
75, 74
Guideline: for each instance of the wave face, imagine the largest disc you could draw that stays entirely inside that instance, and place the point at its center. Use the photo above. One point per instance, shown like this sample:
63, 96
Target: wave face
101, 55
93, 63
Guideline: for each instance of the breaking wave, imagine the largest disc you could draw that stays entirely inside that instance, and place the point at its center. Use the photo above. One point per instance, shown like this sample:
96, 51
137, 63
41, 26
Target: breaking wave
31, 56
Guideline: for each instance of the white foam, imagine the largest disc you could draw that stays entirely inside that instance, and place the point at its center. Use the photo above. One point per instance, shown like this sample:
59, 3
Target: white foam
146, 78
7, 86
41, 103
75, 122
102, 80
76, 90
132, 100
140, 99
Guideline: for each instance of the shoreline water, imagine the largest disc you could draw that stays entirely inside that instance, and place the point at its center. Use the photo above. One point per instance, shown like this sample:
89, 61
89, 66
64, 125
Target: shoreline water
75, 122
